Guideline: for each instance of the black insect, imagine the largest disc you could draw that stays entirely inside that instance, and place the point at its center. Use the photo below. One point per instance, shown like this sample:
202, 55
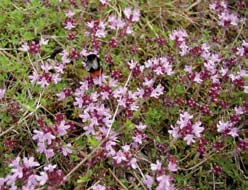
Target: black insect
93, 65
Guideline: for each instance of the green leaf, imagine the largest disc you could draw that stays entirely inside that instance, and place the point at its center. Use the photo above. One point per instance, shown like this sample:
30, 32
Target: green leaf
93, 141
155, 116
130, 126
3, 60
86, 177
4, 3
28, 36
180, 89
75, 157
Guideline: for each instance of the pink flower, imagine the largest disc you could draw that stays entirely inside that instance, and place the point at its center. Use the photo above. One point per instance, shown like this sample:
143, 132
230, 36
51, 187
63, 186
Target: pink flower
160, 66
29, 162
61, 129
42, 178
136, 15
227, 19
17, 172
1, 182
43, 41
34, 77
164, 183
43, 82
109, 147
49, 153
46, 67
31, 183
56, 78
69, 14
148, 82
138, 138
174, 132
41, 147
98, 187
159, 90
90, 24
128, 12
222, 126
42, 137
89, 129
185, 129
157, 166
132, 64
61, 96
186, 116
103, 2
133, 163
238, 110
2, 93
172, 166
223, 71
69, 25
178, 35
218, 6
189, 138
25, 47
65, 57
115, 23
240, 51
101, 33
129, 30
39, 135
233, 132
141, 127
132, 14
184, 49
49, 137
67, 149
246, 89
148, 181
119, 157
188, 68
126, 148
50, 167
197, 129
59, 68
197, 78
15, 162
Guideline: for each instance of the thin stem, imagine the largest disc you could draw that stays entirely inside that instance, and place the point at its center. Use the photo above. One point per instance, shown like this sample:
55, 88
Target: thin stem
117, 108
103, 141
116, 178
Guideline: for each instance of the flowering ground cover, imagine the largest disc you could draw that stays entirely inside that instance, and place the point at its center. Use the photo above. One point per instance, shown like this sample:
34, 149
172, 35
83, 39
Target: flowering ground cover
122, 94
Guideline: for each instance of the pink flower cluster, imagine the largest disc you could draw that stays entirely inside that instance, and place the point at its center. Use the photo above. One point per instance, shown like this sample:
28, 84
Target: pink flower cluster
70, 22
226, 18
45, 75
33, 47
227, 128
160, 66
25, 175
64, 94
179, 38
2, 93
243, 49
186, 129
97, 28
131, 14
163, 180
49, 138
126, 155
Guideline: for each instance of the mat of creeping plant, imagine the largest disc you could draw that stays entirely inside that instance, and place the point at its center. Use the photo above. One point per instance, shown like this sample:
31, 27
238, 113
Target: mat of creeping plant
114, 94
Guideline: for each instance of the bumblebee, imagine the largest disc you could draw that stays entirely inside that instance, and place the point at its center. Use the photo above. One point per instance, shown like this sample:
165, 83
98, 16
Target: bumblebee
93, 65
